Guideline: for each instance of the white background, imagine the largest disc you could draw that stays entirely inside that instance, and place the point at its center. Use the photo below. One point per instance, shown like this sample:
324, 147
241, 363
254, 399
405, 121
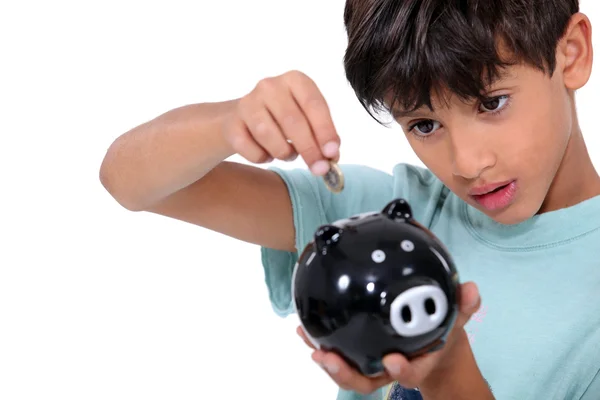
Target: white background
97, 302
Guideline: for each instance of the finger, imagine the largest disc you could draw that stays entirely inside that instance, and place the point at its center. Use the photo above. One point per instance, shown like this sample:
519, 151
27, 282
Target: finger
242, 142
314, 106
295, 127
409, 374
346, 376
266, 132
318, 357
469, 302
301, 333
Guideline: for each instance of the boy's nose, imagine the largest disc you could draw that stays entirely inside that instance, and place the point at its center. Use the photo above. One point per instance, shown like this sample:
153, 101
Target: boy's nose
470, 159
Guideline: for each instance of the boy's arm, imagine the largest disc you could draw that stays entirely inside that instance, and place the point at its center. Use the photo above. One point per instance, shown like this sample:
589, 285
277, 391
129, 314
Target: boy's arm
244, 202
173, 166
460, 380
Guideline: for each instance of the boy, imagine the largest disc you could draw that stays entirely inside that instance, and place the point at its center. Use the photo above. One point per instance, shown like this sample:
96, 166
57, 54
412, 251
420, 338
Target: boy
484, 91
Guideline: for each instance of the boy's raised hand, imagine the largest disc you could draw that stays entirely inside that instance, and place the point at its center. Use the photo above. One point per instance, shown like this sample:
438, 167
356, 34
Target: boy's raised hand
426, 369
281, 118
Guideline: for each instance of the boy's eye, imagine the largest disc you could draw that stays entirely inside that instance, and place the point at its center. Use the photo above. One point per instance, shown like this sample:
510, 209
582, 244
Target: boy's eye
494, 104
426, 126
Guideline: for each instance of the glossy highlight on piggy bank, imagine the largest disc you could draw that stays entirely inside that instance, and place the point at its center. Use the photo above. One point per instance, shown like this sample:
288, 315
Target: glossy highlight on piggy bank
374, 284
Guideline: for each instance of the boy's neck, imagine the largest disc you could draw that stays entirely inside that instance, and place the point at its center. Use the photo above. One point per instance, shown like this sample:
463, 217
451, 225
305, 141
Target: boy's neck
576, 179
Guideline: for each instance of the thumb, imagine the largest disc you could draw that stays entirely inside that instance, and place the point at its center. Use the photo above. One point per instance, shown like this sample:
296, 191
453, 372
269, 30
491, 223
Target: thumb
469, 302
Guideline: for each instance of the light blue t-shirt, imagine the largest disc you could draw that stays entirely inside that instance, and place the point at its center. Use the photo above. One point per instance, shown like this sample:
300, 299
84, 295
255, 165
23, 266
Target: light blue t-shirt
537, 334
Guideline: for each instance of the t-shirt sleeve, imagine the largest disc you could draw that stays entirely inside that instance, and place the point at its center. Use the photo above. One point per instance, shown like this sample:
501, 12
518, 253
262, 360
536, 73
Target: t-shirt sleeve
366, 189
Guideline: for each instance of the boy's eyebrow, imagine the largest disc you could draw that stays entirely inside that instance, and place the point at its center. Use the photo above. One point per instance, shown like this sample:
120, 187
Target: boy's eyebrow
401, 114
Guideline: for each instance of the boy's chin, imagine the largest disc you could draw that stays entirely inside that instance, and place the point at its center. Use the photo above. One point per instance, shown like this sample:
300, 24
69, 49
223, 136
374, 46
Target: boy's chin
513, 214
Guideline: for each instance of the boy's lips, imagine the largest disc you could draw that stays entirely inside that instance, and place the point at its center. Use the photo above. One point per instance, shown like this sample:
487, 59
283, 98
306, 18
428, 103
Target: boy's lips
484, 189
495, 196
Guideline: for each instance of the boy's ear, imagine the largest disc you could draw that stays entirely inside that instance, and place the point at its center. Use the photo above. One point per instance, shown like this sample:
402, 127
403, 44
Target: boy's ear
575, 52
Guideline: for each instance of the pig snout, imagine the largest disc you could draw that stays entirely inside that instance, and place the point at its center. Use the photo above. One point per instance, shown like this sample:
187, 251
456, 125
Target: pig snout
418, 310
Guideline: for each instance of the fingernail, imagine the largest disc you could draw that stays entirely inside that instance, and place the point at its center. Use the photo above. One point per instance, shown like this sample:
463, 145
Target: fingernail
317, 357
392, 367
332, 368
330, 149
320, 167
292, 157
473, 302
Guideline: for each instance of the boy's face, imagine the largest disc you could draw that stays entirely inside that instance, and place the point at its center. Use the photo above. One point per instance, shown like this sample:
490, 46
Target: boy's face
516, 140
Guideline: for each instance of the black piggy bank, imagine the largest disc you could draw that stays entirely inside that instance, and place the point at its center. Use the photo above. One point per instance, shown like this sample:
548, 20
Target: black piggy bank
375, 284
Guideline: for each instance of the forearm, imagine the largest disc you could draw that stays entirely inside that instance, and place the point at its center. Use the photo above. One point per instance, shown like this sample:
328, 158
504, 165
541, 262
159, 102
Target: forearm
461, 380
166, 154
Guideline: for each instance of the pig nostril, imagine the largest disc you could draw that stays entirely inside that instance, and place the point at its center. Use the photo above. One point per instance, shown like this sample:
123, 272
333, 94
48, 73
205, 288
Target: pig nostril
406, 314
430, 306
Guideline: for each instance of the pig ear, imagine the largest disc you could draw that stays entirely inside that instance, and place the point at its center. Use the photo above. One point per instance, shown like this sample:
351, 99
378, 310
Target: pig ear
398, 210
326, 236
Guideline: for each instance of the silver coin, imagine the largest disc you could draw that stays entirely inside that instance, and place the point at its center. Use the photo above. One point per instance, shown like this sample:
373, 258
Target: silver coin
334, 178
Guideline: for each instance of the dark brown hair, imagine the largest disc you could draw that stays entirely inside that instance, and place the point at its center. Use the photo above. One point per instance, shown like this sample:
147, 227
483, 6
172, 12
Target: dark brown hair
408, 48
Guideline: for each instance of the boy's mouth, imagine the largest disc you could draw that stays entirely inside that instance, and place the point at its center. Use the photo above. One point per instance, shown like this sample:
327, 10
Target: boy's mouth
489, 188
497, 189
495, 196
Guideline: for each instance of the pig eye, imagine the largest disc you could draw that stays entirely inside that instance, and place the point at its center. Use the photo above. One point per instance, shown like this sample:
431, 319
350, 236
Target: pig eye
407, 246
378, 256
